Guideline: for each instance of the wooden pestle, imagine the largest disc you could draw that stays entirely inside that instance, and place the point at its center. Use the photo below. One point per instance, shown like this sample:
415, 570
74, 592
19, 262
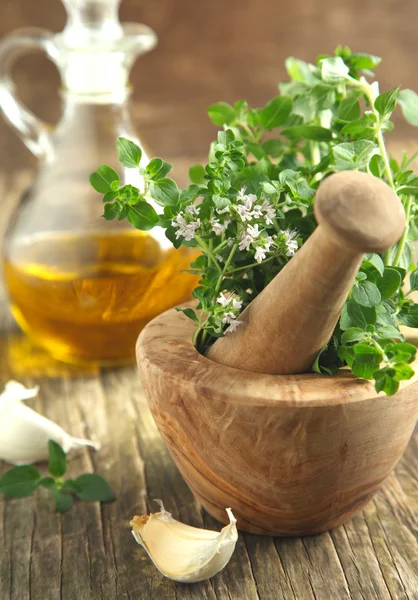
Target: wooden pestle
293, 318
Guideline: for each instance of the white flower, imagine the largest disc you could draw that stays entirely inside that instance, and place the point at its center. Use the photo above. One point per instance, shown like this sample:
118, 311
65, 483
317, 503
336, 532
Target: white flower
241, 194
236, 304
217, 227
262, 247
246, 241
223, 300
267, 242
269, 212
249, 201
243, 212
219, 258
233, 326
229, 317
290, 241
248, 236
223, 210
252, 230
260, 254
191, 209
186, 230
257, 212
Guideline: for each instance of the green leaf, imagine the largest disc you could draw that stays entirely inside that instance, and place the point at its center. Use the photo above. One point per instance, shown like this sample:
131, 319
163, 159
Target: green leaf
334, 70
221, 113
129, 154
403, 371
385, 104
109, 197
102, 179
366, 294
364, 370
375, 261
157, 168
389, 332
63, 501
93, 488
349, 109
143, 216
377, 166
353, 155
360, 129
110, 211
170, 234
365, 353
70, 485
413, 281
276, 112
389, 283
362, 61
308, 132
197, 174
47, 482
404, 352
189, 312
57, 460
256, 150
274, 148
165, 192
299, 70
385, 383
353, 334
220, 202
408, 314
408, 100
354, 315
20, 482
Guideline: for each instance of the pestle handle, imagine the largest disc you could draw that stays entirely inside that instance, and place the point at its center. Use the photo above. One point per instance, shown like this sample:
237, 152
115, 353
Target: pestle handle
293, 318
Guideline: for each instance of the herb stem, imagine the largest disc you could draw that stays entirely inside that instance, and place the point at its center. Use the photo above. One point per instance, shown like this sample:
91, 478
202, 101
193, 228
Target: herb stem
315, 153
404, 237
208, 251
254, 264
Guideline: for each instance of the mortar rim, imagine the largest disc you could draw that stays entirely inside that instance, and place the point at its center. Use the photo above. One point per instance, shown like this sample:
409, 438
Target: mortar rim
165, 346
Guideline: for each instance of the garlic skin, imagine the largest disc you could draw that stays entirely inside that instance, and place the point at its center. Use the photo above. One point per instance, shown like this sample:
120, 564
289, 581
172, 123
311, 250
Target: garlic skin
183, 553
24, 433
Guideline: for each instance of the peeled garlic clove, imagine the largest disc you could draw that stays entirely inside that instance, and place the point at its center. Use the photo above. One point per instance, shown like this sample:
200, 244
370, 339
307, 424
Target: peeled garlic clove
24, 433
184, 553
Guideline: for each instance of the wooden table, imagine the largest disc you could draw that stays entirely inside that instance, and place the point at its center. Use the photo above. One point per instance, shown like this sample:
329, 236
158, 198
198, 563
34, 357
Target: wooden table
89, 553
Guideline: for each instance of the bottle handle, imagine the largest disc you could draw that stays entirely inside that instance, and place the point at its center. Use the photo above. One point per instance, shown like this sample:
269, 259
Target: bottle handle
33, 131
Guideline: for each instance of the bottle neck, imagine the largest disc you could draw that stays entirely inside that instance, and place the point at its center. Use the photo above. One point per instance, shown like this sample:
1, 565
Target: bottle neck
89, 19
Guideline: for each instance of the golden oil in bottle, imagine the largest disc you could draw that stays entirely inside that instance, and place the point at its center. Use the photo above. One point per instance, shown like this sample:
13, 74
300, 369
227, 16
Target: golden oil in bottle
85, 298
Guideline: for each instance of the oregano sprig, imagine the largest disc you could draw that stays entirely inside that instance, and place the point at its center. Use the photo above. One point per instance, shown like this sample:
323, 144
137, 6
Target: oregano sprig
22, 481
250, 208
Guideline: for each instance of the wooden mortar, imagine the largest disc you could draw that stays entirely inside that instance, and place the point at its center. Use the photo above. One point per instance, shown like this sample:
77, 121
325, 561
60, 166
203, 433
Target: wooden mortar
290, 454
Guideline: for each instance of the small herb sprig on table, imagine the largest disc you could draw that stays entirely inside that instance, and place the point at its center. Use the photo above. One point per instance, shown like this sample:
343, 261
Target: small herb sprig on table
23, 481
255, 207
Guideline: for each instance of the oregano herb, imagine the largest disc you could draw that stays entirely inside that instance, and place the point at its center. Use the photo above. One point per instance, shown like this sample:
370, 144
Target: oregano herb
250, 208
22, 481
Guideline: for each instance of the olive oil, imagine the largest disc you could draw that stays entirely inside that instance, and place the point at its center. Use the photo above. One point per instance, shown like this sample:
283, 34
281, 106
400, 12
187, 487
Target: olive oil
85, 298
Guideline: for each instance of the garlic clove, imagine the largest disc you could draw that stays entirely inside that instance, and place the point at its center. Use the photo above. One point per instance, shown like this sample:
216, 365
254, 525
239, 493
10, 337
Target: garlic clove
184, 553
24, 433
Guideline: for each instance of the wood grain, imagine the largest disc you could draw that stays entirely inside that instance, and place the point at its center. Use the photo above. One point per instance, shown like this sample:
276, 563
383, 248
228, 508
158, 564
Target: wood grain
291, 455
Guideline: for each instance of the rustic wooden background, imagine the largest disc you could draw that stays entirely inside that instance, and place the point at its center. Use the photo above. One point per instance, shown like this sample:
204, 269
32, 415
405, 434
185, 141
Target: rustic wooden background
208, 51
